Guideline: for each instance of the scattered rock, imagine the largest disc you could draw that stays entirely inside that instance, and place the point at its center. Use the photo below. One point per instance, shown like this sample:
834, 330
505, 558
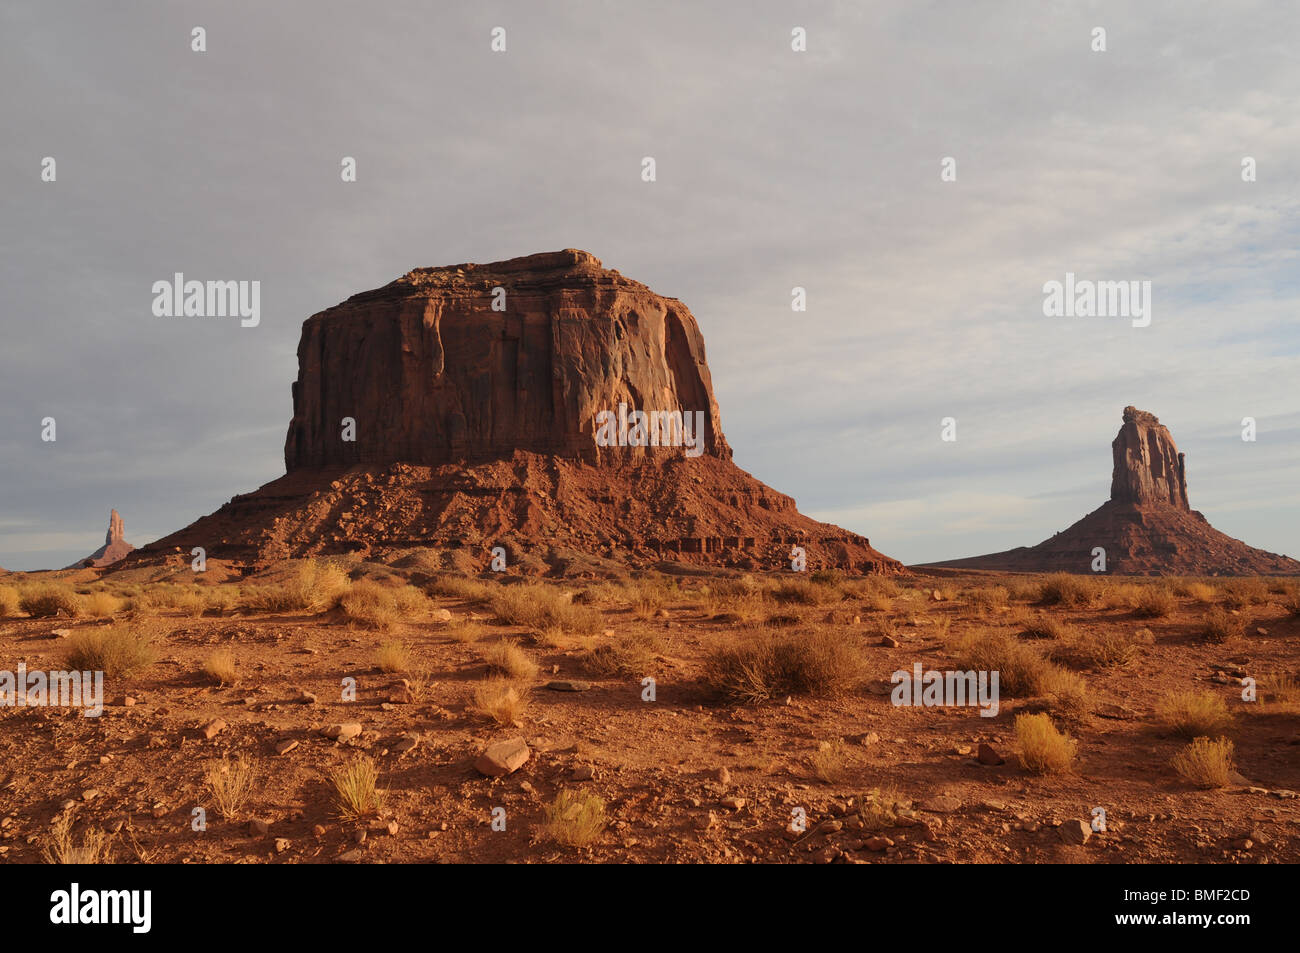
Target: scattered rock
987, 754
568, 685
285, 746
342, 732
941, 804
258, 827
1076, 832
306, 698
877, 843
502, 758
583, 772
213, 728
281, 844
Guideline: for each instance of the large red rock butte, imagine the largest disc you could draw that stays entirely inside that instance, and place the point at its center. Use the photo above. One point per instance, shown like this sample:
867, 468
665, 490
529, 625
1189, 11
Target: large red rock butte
458, 409
115, 546
1146, 527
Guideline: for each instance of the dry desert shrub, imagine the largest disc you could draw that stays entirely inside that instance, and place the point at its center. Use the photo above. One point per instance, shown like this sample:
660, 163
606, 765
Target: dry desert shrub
369, 604
219, 667
830, 761
1239, 593
501, 700
1045, 626
828, 577
9, 601
1043, 748
46, 600
537, 606
1022, 671
1279, 688
465, 630
1066, 589
165, 596
880, 807
802, 592
62, 848
574, 819
1120, 595
392, 657
1194, 714
1154, 602
1206, 763
507, 658
1023, 590
989, 598
1220, 626
767, 665
629, 655
113, 649
355, 788
1109, 649
231, 784
1200, 592
99, 605
460, 587
312, 585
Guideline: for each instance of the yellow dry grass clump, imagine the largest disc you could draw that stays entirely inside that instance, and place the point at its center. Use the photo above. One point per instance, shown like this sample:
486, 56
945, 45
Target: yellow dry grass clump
501, 700
393, 657
574, 819
311, 585
231, 784
62, 847
537, 606
1194, 714
219, 667
507, 658
113, 649
1043, 748
355, 788
1206, 763
46, 600
766, 665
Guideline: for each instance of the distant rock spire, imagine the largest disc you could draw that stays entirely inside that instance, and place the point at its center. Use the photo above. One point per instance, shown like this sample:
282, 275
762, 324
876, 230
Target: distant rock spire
116, 531
1148, 466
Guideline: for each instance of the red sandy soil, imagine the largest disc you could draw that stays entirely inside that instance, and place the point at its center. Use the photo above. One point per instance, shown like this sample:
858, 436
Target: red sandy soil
138, 771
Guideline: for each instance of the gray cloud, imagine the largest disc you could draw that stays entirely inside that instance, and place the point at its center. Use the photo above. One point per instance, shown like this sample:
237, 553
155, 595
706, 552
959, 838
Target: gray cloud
775, 169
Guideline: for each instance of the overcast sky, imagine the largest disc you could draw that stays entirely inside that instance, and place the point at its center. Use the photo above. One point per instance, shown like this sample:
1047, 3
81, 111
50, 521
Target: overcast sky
775, 168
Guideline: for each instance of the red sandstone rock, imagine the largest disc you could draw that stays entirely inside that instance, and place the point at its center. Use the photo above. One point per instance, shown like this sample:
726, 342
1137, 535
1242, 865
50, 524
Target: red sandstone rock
115, 546
432, 374
1148, 466
476, 428
1146, 527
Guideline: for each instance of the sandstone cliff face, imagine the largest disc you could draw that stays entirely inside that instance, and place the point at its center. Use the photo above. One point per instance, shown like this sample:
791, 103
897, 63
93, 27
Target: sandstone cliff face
1148, 466
431, 373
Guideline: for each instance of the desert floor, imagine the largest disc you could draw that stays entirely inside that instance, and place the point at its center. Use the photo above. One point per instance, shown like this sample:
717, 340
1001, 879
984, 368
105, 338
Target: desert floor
718, 768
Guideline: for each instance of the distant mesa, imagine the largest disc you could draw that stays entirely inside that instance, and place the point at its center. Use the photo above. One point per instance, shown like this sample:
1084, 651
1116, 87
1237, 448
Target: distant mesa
544, 404
115, 546
1146, 528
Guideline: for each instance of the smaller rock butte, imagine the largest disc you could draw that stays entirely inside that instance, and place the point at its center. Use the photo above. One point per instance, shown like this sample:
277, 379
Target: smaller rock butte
1146, 527
475, 428
115, 546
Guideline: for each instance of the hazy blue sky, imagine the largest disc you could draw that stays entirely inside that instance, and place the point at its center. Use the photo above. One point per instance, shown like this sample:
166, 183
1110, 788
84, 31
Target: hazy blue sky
775, 169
